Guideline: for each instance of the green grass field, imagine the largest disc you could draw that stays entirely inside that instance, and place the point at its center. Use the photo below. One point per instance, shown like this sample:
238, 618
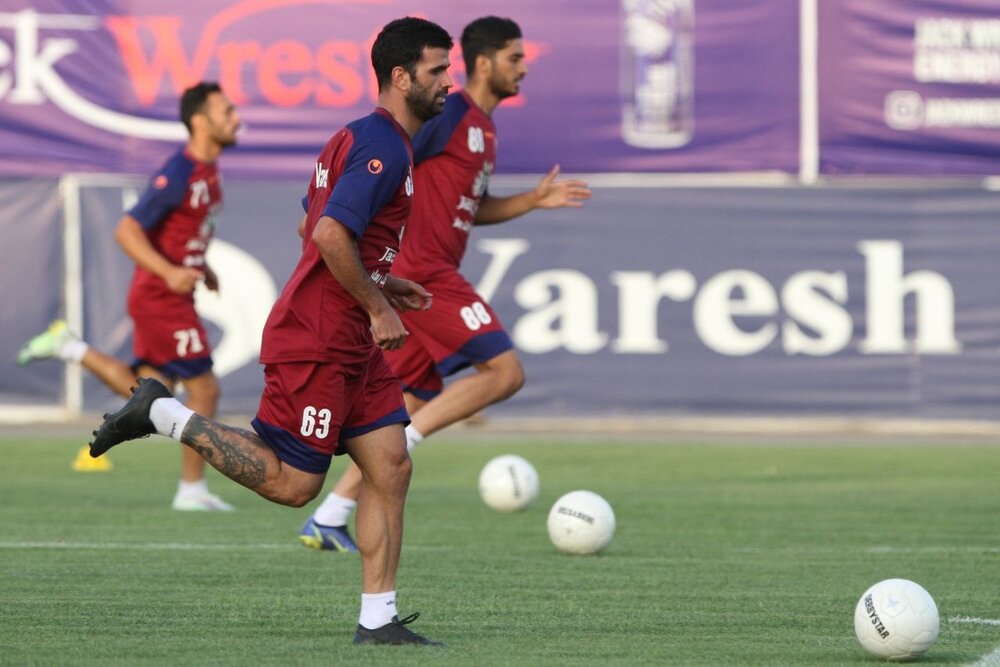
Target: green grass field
736, 554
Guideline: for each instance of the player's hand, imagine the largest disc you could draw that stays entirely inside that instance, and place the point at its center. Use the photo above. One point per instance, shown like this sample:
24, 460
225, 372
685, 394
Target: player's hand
388, 330
404, 295
552, 193
211, 279
182, 279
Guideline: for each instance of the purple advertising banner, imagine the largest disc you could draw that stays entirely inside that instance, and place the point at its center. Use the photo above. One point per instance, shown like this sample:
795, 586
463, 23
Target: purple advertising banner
635, 85
909, 87
779, 301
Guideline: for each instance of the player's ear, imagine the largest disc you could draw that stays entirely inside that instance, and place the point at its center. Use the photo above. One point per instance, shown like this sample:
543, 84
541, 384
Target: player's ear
401, 78
484, 65
199, 121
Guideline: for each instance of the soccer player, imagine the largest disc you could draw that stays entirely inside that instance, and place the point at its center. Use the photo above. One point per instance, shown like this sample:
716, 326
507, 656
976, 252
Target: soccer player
328, 389
455, 154
166, 234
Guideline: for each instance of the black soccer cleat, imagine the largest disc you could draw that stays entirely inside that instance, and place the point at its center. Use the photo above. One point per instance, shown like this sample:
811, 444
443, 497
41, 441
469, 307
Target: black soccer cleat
395, 633
131, 421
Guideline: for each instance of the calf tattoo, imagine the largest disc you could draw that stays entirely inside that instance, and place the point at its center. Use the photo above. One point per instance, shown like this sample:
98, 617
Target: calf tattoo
236, 453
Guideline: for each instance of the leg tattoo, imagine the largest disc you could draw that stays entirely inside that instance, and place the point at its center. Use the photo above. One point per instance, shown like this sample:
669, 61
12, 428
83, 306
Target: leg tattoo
237, 453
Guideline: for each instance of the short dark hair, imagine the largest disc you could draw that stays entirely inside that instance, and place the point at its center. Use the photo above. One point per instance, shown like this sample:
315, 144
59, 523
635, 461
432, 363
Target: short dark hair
485, 36
193, 100
401, 44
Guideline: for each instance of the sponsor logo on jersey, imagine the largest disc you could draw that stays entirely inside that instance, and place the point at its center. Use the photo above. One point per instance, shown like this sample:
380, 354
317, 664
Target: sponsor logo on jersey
160, 182
375, 166
322, 176
482, 181
468, 204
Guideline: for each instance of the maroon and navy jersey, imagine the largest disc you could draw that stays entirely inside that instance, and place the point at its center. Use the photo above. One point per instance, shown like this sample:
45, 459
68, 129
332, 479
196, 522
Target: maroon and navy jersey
462, 141
363, 179
178, 211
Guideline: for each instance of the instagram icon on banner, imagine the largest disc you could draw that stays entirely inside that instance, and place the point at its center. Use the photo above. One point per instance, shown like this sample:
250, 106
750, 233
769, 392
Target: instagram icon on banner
657, 73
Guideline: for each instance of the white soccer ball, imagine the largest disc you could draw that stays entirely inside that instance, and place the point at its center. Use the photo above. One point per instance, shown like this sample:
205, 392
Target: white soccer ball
581, 522
508, 483
896, 619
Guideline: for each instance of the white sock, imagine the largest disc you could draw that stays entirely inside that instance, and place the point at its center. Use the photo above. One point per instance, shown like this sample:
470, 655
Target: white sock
169, 417
413, 438
196, 488
72, 350
377, 609
334, 511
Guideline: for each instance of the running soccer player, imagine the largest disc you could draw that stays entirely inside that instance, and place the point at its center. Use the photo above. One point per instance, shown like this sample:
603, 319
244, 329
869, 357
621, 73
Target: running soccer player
327, 387
166, 234
455, 155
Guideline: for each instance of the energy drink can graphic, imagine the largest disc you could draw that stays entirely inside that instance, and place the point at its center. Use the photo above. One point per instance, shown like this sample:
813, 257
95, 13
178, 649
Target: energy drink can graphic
657, 73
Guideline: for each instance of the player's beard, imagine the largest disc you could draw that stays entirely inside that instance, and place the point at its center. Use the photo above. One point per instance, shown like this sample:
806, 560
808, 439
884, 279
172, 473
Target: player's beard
227, 142
504, 88
422, 103
224, 139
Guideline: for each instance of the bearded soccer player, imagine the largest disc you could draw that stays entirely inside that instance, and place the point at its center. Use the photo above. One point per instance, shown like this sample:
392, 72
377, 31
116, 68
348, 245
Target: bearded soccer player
455, 154
327, 387
166, 234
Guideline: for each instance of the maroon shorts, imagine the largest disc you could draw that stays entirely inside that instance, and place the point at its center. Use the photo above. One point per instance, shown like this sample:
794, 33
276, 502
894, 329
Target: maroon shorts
309, 408
178, 347
458, 331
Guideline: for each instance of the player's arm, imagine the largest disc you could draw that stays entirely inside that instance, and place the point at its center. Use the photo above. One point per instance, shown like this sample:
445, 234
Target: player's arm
549, 193
133, 240
339, 248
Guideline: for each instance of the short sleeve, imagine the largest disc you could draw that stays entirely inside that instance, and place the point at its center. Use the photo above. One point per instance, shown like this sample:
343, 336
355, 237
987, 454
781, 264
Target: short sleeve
372, 174
164, 193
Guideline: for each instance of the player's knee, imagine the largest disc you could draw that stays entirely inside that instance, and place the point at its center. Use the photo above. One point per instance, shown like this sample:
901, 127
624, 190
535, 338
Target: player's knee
293, 496
298, 499
518, 380
395, 472
505, 375
401, 469
511, 379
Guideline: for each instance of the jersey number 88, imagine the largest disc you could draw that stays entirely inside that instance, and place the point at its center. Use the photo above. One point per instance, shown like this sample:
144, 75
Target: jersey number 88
475, 316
